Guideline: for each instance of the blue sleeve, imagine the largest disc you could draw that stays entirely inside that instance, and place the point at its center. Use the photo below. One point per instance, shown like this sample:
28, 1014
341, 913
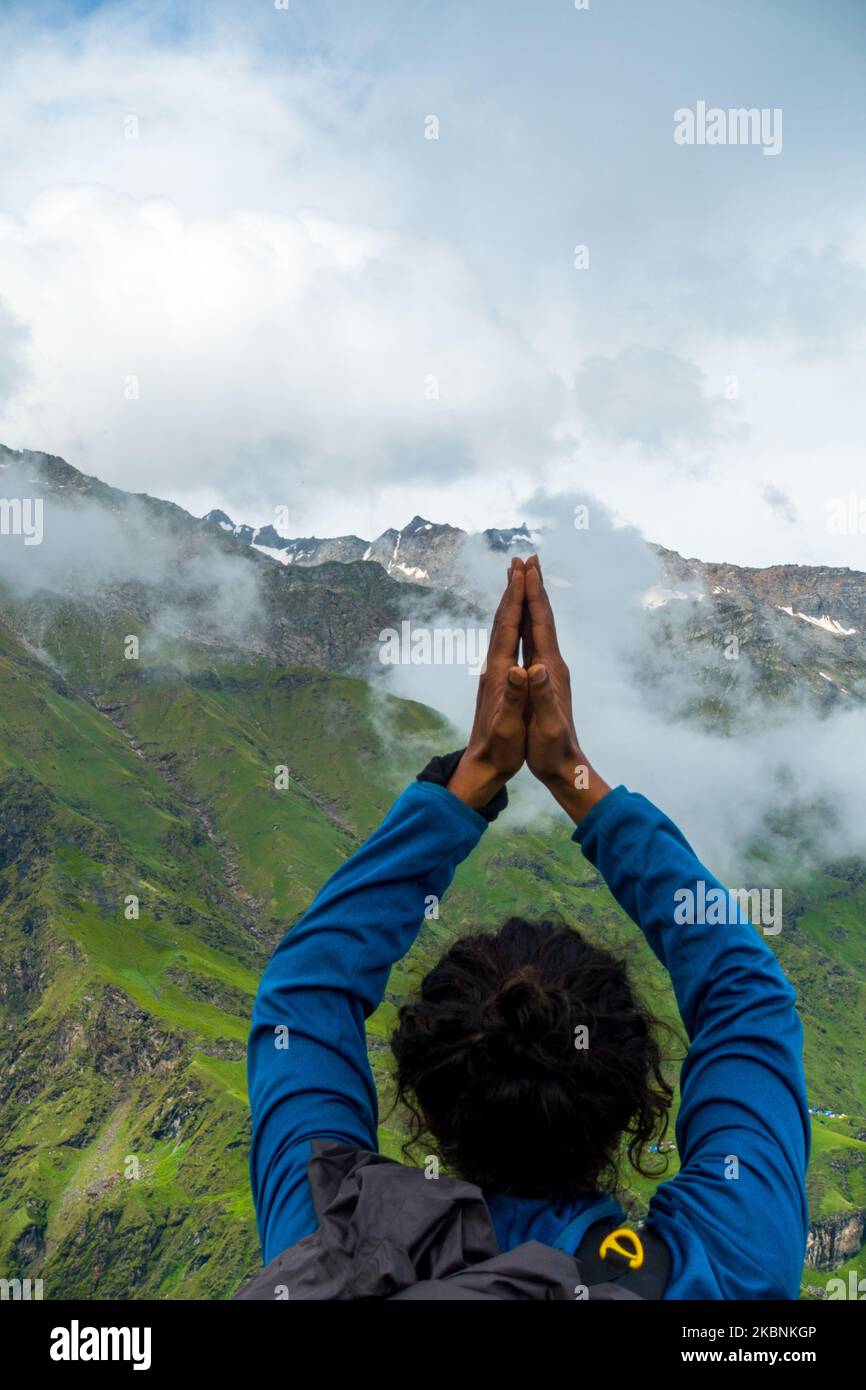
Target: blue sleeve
307, 1065
735, 1216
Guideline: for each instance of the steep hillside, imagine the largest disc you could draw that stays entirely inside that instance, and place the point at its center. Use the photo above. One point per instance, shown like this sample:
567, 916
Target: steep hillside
122, 1113
149, 864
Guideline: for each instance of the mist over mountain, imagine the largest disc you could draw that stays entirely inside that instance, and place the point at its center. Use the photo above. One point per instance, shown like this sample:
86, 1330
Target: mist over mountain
210, 579
690, 675
143, 772
147, 562
802, 627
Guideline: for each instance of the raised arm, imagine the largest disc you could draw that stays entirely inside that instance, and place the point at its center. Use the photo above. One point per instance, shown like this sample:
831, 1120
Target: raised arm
308, 1072
735, 1216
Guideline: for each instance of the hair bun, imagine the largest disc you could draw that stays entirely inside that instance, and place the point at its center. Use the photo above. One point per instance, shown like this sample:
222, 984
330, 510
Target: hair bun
521, 1013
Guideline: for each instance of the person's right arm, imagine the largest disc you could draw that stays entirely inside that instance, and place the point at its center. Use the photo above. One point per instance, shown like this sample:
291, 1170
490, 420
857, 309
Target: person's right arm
735, 1217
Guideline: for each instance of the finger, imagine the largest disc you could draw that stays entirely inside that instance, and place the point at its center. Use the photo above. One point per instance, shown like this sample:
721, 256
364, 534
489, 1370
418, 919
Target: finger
526, 645
505, 606
505, 633
545, 644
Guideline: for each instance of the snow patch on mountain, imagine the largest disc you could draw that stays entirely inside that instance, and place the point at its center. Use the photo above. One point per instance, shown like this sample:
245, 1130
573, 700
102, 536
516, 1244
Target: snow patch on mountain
833, 681
825, 621
411, 571
660, 598
282, 557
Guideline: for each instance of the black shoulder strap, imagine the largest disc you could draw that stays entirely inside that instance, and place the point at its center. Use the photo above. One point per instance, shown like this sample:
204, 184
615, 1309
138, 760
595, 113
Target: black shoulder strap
648, 1281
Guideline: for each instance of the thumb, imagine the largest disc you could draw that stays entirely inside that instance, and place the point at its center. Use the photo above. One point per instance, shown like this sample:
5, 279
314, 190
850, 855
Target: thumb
540, 687
516, 686
541, 694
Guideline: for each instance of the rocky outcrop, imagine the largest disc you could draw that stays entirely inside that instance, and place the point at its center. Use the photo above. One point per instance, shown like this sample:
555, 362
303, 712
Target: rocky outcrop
835, 1239
125, 1041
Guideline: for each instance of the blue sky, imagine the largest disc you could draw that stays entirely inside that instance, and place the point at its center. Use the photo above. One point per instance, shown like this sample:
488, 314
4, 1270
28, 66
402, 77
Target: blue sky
271, 288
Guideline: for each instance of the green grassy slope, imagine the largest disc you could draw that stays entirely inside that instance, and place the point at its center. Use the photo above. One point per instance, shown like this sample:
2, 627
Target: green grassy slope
123, 1122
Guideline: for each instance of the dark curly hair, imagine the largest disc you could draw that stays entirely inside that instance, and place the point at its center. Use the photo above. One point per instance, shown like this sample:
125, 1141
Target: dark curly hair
493, 1062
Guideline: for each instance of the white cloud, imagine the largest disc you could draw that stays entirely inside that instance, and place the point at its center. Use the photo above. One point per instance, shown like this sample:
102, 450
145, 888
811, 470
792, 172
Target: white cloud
285, 263
176, 352
656, 401
13, 345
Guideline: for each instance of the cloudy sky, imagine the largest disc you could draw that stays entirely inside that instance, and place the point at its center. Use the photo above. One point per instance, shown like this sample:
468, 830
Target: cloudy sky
237, 271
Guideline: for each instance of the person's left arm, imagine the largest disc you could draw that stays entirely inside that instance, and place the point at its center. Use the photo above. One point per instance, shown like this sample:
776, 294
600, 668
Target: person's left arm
308, 1072
309, 1076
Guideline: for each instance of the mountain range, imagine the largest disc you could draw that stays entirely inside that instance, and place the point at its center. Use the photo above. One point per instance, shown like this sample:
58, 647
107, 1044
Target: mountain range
425, 552
155, 670
804, 625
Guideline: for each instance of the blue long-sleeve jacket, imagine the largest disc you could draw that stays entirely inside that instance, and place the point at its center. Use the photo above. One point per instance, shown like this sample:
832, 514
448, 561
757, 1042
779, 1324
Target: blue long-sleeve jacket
734, 1217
